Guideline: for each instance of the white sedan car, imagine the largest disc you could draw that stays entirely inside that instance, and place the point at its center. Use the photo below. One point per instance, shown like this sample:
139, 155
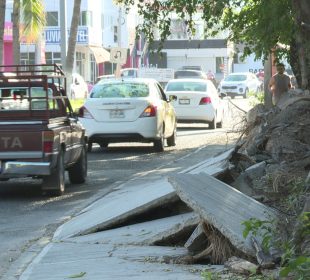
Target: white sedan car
197, 101
239, 84
128, 110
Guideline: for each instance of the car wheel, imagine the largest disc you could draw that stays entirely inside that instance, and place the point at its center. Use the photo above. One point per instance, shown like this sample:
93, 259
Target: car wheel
159, 144
54, 184
212, 124
220, 124
104, 145
245, 95
78, 172
171, 141
89, 146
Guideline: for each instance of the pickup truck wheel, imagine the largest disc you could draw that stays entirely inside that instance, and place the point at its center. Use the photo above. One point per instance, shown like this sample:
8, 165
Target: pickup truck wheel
54, 184
78, 172
89, 147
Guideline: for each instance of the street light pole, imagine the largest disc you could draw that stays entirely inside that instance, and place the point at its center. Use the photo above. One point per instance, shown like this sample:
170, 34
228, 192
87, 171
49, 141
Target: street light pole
63, 32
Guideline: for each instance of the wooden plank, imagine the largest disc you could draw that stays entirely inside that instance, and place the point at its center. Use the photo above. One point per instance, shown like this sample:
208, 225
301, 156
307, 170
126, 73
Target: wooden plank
221, 206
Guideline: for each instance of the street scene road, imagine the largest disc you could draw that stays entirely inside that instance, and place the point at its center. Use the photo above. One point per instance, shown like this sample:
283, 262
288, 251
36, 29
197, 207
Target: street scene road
27, 216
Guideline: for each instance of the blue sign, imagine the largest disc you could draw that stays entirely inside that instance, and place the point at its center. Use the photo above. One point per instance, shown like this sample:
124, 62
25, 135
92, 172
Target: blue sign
52, 35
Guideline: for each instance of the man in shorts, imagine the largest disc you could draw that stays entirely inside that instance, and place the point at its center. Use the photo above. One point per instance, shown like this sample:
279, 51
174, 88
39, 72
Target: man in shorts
279, 84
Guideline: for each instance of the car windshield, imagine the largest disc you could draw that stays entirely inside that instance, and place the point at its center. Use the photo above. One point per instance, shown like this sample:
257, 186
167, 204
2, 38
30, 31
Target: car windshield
120, 90
235, 78
186, 86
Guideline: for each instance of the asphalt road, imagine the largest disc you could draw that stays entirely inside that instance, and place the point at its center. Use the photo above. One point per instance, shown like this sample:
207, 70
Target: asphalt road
27, 216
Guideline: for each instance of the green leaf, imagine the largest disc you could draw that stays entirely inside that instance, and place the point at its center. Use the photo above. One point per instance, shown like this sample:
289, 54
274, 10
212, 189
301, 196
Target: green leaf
80, 275
285, 271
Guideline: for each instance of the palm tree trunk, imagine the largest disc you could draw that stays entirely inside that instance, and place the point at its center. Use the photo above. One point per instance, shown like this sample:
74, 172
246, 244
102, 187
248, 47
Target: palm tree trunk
2, 25
16, 35
72, 36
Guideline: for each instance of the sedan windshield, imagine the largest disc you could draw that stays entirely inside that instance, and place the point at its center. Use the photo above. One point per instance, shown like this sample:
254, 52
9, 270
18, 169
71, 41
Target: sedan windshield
235, 78
186, 86
120, 90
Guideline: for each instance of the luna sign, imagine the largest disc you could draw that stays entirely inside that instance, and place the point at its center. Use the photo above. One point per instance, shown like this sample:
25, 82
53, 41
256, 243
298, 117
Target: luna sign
52, 35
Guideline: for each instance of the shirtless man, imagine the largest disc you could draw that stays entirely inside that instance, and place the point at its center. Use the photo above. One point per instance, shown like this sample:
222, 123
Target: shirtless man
279, 84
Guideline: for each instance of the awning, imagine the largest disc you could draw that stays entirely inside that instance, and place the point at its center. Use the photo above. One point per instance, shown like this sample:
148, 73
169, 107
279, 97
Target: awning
100, 54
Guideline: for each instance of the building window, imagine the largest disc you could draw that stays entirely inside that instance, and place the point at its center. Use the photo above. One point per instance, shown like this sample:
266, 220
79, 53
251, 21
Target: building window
115, 31
52, 57
80, 63
27, 58
86, 18
93, 69
51, 18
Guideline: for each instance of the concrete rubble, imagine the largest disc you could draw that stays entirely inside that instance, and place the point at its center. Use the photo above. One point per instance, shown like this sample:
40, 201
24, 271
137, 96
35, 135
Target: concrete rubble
148, 227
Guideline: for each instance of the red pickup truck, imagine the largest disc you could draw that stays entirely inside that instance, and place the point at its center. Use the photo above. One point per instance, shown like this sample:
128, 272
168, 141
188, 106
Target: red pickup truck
40, 136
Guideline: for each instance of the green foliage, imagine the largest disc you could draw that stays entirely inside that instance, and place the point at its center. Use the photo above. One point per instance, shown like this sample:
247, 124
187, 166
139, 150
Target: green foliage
291, 264
260, 228
256, 98
208, 275
76, 103
260, 24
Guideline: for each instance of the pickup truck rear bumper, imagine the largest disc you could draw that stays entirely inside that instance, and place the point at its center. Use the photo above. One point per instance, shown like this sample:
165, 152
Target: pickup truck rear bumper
25, 168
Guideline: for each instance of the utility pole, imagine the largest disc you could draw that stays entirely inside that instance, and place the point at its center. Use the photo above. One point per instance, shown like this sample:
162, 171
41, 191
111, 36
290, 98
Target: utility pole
119, 39
63, 32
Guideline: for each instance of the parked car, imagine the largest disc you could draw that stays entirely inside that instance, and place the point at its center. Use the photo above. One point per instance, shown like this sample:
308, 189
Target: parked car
79, 88
194, 74
128, 110
239, 84
197, 101
129, 72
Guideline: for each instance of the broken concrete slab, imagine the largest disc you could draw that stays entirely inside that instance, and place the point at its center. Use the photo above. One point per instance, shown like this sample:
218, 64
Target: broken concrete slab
221, 206
132, 198
146, 233
240, 266
256, 171
212, 166
59, 261
197, 241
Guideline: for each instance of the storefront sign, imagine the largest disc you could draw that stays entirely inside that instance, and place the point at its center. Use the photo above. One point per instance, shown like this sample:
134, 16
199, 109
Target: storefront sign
52, 35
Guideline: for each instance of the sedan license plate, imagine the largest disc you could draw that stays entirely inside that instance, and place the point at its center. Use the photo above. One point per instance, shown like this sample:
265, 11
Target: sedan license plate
117, 114
184, 101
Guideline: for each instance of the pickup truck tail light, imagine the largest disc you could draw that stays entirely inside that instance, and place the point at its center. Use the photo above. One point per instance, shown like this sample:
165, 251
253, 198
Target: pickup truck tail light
205, 101
149, 111
84, 113
48, 140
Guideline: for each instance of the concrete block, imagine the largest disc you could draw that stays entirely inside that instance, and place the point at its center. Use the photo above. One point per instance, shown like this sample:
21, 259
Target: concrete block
197, 241
222, 206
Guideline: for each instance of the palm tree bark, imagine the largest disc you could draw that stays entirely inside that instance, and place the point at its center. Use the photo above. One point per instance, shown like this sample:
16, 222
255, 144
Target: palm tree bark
2, 25
16, 31
72, 36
